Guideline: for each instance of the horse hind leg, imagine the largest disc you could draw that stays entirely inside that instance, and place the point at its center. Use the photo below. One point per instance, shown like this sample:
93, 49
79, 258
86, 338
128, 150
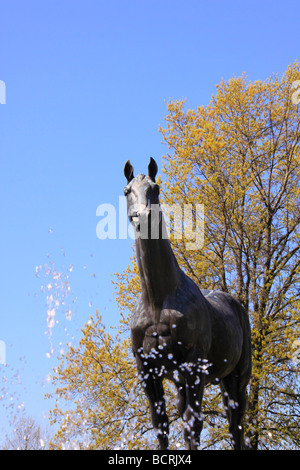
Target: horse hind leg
235, 402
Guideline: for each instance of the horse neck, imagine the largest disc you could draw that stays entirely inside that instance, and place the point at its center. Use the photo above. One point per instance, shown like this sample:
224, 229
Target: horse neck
159, 270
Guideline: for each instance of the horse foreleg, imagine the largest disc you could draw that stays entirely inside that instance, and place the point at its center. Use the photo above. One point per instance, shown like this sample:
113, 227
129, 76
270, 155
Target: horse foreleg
155, 393
192, 416
181, 398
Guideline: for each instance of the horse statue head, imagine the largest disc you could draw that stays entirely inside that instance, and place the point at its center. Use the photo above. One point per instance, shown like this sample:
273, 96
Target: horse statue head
143, 207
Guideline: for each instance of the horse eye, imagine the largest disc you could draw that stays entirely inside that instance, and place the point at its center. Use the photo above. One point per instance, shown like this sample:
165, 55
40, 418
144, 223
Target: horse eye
126, 190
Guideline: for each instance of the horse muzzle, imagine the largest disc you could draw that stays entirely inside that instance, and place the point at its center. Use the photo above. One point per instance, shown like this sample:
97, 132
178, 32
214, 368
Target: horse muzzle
146, 222
139, 218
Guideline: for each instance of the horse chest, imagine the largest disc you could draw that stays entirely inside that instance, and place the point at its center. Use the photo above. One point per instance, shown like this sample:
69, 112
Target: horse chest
152, 330
157, 348
157, 337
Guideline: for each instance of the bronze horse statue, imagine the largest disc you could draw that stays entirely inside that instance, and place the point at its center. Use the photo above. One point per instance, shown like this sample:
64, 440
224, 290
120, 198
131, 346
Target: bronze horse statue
180, 332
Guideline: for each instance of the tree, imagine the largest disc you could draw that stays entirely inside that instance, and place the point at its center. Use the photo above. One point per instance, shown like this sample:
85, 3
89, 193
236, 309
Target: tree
239, 157
27, 435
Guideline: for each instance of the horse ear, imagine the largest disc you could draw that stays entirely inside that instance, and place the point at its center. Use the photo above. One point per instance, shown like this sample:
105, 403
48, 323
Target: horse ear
128, 171
152, 169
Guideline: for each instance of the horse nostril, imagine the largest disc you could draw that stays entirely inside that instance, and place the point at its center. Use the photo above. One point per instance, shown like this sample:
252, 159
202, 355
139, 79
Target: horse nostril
135, 216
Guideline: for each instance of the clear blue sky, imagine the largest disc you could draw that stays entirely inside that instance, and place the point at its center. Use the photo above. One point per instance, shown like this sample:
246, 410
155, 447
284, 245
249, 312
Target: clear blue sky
86, 85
